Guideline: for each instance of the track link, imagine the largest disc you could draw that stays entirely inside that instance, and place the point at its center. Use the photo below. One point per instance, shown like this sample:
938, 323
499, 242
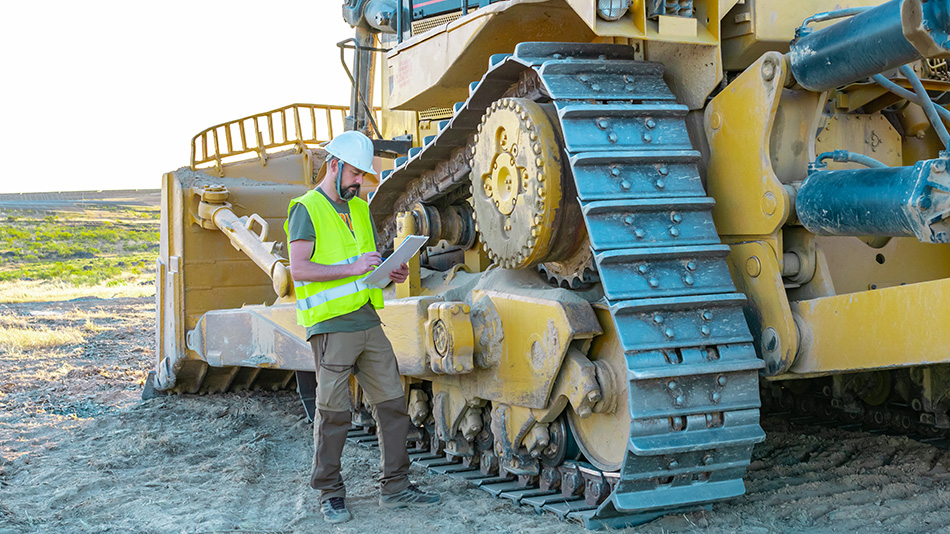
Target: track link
692, 370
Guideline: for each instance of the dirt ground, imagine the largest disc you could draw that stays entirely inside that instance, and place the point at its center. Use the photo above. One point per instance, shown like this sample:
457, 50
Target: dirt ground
81, 452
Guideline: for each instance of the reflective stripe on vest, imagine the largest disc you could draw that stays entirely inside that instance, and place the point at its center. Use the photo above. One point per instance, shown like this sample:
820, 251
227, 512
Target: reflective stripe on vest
330, 294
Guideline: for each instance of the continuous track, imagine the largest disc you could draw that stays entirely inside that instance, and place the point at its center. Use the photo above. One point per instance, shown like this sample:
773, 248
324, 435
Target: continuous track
692, 371
814, 405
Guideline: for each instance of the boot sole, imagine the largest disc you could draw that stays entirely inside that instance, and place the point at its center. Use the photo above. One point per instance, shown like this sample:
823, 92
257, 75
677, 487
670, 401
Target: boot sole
338, 520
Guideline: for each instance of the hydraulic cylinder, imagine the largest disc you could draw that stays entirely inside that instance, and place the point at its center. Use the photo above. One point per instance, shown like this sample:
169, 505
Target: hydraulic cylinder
894, 202
872, 42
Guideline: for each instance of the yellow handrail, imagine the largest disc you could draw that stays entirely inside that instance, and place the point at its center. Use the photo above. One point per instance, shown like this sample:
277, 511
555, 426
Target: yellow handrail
312, 124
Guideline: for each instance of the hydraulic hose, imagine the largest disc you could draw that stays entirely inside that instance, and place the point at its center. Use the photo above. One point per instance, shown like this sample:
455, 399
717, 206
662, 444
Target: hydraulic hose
908, 95
829, 15
843, 156
929, 107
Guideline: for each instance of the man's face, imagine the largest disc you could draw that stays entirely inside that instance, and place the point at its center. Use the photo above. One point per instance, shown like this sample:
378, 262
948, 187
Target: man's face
351, 179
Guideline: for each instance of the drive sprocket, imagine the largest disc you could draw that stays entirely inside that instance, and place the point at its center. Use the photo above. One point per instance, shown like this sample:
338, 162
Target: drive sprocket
521, 192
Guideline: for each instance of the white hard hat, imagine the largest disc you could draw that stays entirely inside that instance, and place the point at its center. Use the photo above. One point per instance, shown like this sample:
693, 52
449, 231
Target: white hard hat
354, 148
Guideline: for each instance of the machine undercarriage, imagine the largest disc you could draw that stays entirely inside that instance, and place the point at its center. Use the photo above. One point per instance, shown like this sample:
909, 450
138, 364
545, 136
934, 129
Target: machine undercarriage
676, 364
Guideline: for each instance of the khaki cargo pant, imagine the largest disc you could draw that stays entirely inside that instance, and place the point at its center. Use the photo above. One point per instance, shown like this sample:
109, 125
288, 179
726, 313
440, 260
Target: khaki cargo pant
369, 356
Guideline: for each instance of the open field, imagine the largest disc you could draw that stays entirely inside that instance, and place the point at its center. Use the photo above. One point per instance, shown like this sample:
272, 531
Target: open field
109, 240
81, 452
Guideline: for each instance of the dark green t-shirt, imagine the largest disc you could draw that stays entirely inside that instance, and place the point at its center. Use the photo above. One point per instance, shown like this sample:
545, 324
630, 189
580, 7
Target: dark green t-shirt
300, 226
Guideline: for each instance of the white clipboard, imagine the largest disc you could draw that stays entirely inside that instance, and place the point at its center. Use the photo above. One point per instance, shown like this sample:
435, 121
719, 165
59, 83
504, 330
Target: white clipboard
380, 276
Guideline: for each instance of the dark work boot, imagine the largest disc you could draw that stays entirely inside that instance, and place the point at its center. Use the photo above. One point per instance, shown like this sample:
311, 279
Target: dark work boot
334, 510
409, 497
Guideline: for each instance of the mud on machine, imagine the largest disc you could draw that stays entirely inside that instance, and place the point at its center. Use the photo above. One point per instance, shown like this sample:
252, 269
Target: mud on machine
645, 220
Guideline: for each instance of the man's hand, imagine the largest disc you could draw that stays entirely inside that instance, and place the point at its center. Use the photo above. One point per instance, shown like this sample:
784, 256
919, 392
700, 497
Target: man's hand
399, 274
366, 263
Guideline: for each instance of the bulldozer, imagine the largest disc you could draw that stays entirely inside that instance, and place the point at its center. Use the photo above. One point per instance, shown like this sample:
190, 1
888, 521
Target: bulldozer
646, 220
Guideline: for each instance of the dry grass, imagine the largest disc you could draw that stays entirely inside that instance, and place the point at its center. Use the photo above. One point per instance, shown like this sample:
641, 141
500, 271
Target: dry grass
12, 321
18, 339
55, 290
93, 327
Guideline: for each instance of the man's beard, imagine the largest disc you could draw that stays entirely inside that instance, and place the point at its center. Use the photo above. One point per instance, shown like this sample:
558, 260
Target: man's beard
350, 192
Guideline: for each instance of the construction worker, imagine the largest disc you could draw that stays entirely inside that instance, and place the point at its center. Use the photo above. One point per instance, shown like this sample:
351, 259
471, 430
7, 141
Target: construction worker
332, 247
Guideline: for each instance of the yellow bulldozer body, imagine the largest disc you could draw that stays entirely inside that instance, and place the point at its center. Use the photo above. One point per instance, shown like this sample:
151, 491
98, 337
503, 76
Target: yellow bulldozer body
527, 120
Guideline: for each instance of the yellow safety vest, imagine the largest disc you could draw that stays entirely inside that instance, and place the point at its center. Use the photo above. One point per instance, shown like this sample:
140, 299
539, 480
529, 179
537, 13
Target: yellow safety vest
319, 301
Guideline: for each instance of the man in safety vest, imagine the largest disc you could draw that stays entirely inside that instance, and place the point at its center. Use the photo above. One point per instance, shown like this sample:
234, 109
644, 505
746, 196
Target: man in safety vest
332, 247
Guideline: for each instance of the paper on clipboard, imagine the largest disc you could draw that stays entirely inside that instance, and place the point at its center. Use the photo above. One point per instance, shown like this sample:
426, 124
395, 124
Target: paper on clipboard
380, 276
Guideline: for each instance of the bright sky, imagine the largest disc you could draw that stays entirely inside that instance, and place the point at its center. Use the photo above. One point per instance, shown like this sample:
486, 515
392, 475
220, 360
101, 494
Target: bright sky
107, 94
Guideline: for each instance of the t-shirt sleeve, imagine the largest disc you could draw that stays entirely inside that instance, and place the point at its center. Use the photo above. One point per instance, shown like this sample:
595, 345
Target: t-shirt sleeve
299, 224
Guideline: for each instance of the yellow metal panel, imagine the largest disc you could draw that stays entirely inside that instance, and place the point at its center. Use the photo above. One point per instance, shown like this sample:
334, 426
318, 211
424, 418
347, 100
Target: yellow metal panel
404, 324
520, 344
287, 167
435, 68
538, 333
899, 326
871, 135
792, 143
677, 26
692, 71
756, 273
854, 266
405, 227
738, 122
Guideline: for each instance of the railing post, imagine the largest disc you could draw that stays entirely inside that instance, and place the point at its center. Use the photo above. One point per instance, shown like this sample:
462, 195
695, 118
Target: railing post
398, 21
